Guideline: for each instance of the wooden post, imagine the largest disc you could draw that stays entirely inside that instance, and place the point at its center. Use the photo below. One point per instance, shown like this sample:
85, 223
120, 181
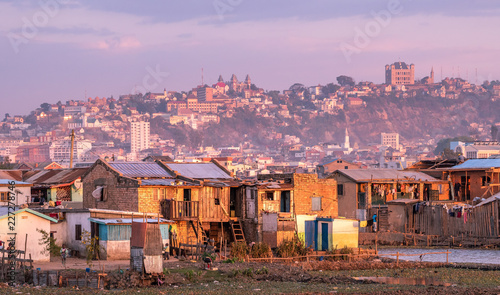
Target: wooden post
376, 243
3, 268
397, 258
447, 251
25, 245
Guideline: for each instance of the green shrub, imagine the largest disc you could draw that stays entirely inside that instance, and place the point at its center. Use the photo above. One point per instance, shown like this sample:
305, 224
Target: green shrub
344, 250
239, 250
291, 248
261, 250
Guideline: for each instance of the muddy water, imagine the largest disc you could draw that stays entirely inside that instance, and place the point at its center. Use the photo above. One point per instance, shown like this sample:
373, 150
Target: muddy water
456, 255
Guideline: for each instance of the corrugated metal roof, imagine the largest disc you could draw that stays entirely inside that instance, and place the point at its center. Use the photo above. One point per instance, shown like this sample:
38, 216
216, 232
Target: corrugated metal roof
199, 170
127, 220
478, 164
32, 212
489, 200
54, 176
168, 182
6, 181
11, 174
139, 169
364, 175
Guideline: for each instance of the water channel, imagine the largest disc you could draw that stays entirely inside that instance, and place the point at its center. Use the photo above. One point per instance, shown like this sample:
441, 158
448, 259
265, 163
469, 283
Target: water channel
456, 255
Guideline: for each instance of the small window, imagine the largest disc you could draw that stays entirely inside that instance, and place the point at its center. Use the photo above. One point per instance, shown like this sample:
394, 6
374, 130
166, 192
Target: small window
485, 180
316, 203
217, 201
4, 196
270, 196
155, 194
78, 232
346, 167
340, 189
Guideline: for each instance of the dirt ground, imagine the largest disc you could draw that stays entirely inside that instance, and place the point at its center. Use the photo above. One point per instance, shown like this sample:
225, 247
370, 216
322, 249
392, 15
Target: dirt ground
314, 277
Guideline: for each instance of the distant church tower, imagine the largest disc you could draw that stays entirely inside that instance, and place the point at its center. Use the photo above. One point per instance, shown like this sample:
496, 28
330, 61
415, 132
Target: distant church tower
220, 79
431, 77
233, 82
346, 140
248, 82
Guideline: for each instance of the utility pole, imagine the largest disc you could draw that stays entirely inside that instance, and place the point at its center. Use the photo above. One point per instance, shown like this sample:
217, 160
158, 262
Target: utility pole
71, 150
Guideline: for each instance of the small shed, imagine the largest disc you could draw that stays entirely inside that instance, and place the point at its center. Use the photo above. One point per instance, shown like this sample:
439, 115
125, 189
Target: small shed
146, 247
27, 224
115, 235
324, 234
400, 213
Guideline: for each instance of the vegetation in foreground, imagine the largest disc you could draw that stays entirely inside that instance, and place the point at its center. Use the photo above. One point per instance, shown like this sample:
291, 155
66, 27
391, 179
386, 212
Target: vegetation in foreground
320, 277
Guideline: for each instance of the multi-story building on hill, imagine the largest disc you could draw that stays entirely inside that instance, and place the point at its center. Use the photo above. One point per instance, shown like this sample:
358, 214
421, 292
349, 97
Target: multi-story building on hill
139, 136
390, 139
399, 73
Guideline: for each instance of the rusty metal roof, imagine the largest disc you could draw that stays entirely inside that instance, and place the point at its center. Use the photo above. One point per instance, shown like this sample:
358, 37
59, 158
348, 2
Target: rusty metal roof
140, 169
54, 176
166, 182
366, 175
199, 170
16, 175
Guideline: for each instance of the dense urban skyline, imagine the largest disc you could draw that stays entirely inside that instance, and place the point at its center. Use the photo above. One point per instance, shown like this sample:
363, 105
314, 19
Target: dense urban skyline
62, 50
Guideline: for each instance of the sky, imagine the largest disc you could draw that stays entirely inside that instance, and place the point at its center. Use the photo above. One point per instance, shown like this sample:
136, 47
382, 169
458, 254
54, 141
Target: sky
58, 50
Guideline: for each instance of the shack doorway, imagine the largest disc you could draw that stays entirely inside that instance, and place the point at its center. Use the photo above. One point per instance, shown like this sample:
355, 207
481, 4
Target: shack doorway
324, 236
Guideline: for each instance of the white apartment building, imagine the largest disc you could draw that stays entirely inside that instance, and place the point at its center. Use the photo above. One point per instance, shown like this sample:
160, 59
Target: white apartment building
390, 139
59, 151
139, 139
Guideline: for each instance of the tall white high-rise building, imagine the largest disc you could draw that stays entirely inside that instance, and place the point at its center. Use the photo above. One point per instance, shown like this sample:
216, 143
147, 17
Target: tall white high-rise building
139, 136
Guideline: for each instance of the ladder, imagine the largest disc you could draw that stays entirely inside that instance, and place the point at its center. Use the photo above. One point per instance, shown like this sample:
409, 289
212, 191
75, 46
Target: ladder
237, 231
204, 237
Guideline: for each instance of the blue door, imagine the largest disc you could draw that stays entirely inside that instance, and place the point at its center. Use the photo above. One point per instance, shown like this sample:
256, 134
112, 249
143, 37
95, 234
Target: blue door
311, 234
324, 236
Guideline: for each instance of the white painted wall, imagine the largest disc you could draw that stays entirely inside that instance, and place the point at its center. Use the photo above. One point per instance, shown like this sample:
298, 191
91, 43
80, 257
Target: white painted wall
23, 194
73, 219
27, 223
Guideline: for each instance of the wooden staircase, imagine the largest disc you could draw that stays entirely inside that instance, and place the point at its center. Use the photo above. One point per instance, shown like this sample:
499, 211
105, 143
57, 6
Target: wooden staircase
197, 226
237, 229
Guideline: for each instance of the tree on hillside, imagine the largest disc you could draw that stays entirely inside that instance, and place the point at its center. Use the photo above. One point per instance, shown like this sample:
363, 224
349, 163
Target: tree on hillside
330, 88
345, 81
445, 143
45, 106
296, 87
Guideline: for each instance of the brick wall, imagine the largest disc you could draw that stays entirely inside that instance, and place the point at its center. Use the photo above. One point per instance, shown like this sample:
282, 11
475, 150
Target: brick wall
306, 186
146, 202
122, 192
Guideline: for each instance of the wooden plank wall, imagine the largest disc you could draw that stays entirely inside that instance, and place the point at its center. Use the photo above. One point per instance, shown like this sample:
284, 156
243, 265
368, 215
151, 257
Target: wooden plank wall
481, 221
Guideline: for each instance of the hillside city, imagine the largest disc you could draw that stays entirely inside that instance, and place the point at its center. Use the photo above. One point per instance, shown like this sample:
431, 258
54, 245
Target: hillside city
257, 131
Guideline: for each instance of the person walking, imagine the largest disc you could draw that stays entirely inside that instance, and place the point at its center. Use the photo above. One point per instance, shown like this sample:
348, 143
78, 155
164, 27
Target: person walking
64, 254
